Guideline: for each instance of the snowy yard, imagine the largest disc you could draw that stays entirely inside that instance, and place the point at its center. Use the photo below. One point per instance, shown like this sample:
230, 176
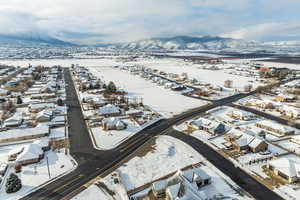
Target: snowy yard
34, 175
112, 138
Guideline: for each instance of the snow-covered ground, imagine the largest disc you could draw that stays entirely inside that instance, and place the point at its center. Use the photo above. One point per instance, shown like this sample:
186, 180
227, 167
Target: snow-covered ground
92, 193
215, 77
112, 138
177, 155
163, 101
34, 175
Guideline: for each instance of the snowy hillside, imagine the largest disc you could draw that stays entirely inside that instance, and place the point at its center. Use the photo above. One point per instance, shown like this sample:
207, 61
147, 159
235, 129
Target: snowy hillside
210, 43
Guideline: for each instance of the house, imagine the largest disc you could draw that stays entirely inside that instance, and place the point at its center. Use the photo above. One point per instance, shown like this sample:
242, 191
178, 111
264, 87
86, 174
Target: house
159, 189
295, 139
35, 108
134, 113
174, 191
19, 134
58, 121
285, 168
57, 137
285, 98
113, 123
44, 116
275, 128
43, 143
109, 110
264, 104
31, 153
242, 141
241, 115
291, 112
213, 127
197, 176
257, 145
14, 121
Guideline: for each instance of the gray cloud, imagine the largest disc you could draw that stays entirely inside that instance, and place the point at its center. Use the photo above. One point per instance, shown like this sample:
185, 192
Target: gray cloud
93, 21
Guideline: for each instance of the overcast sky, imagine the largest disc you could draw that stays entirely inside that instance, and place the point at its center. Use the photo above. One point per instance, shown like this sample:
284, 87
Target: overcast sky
94, 21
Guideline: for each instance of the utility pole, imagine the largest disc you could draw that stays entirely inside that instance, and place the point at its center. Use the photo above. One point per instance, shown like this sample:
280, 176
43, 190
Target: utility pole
48, 167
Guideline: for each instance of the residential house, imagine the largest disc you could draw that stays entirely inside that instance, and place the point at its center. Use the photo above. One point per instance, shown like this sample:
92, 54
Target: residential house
242, 141
58, 137
295, 139
32, 153
35, 108
275, 128
19, 134
58, 121
113, 123
109, 110
197, 176
285, 98
241, 115
291, 112
285, 168
159, 189
14, 121
44, 116
213, 127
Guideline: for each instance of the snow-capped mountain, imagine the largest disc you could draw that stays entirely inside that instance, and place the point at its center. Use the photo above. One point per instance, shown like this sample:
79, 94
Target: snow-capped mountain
210, 43
30, 40
186, 42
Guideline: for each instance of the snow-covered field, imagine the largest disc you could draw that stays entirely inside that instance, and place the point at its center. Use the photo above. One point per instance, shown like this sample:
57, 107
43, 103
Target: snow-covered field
36, 174
164, 101
215, 77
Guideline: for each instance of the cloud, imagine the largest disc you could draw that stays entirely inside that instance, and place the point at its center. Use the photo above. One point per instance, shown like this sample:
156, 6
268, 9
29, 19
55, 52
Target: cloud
93, 21
267, 32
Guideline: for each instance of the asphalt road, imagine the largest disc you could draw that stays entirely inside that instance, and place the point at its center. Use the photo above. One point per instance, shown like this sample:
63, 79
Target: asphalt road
92, 163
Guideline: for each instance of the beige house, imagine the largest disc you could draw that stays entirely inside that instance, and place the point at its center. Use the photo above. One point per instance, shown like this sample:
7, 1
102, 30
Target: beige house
285, 168
275, 128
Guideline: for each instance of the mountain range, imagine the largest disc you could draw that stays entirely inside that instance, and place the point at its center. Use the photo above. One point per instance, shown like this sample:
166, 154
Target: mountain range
168, 43
26, 40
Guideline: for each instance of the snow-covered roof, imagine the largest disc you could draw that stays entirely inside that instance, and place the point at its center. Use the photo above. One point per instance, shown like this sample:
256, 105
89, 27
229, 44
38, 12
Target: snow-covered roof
291, 109
195, 174
287, 166
58, 119
31, 151
160, 185
109, 109
15, 133
41, 105
275, 125
43, 142
57, 133
255, 142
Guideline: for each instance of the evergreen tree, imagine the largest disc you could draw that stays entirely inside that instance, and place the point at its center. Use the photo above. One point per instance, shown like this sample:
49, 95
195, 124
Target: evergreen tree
60, 102
111, 87
19, 100
13, 183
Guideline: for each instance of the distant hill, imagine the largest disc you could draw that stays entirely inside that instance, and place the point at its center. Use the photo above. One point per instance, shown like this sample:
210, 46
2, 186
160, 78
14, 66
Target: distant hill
210, 43
31, 40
